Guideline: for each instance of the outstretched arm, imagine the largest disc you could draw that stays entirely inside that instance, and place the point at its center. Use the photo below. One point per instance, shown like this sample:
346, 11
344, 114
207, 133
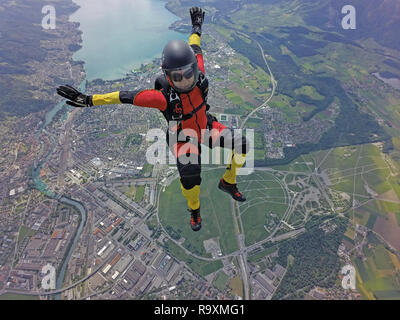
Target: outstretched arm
150, 98
197, 15
141, 98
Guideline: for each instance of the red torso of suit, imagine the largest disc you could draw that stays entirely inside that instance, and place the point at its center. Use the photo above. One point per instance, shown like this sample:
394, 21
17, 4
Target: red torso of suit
198, 121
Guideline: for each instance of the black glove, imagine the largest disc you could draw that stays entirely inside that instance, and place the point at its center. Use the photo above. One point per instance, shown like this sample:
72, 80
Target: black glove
197, 15
77, 98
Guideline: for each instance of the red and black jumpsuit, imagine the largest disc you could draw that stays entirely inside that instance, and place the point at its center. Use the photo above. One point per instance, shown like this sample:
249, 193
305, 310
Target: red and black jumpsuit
200, 122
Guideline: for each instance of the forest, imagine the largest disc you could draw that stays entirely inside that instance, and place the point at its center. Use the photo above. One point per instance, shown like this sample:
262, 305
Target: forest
314, 259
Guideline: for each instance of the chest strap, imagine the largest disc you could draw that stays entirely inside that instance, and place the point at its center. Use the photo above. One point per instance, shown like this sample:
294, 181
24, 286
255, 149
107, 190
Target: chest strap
191, 113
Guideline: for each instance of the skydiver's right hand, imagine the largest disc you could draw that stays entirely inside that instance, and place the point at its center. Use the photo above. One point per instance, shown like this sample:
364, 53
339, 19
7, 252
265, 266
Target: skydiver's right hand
75, 98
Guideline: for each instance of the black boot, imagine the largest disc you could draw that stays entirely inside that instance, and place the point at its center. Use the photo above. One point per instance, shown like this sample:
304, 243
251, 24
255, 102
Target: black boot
232, 190
195, 219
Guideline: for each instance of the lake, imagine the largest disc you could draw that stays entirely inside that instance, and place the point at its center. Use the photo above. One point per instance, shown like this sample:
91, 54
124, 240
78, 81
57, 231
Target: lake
120, 35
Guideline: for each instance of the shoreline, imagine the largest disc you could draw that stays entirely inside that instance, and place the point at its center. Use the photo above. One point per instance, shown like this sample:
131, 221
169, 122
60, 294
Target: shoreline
178, 25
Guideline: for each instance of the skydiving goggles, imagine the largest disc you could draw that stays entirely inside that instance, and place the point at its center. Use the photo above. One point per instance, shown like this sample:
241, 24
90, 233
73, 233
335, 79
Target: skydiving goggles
187, 72
180, 74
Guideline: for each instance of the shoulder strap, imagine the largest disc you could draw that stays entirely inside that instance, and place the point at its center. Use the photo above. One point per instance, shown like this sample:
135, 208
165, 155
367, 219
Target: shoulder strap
174, 110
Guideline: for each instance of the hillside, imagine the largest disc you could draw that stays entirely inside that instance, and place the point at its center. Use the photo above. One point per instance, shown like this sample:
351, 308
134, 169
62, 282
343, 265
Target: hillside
32, 59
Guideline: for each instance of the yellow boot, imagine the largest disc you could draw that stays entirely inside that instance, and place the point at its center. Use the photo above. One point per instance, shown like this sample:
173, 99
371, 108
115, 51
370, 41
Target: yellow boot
228, 181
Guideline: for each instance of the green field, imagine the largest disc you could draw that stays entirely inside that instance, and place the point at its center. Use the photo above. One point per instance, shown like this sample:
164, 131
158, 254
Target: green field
382, 259
265, 198
236, 284
25, 232
266, 203
139, 193
310, 92
302, 164
216, 213
387, 294
359, 169
200, 266
234, 97
221, 280
146, 170
377, 276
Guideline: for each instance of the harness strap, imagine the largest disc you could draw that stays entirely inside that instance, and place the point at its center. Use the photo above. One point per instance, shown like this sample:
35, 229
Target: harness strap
191, 113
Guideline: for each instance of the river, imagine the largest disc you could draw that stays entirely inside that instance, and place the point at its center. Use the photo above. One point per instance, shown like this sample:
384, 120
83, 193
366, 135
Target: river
63, 269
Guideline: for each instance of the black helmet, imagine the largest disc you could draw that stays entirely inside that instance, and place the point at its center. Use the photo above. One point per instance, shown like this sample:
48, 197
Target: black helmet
179, 64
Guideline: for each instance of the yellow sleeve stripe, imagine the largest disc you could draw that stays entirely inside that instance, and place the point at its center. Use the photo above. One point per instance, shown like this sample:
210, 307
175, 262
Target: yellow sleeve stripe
107, 98
194, 39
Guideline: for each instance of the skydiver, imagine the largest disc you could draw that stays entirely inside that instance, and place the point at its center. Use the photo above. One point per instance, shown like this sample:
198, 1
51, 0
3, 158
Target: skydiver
180, 93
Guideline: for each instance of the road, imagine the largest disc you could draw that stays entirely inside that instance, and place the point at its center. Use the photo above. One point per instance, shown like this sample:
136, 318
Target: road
273, 86
242, 257
243, 253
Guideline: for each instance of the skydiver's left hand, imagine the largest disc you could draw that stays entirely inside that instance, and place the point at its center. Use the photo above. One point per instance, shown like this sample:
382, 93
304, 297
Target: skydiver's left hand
197, 15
